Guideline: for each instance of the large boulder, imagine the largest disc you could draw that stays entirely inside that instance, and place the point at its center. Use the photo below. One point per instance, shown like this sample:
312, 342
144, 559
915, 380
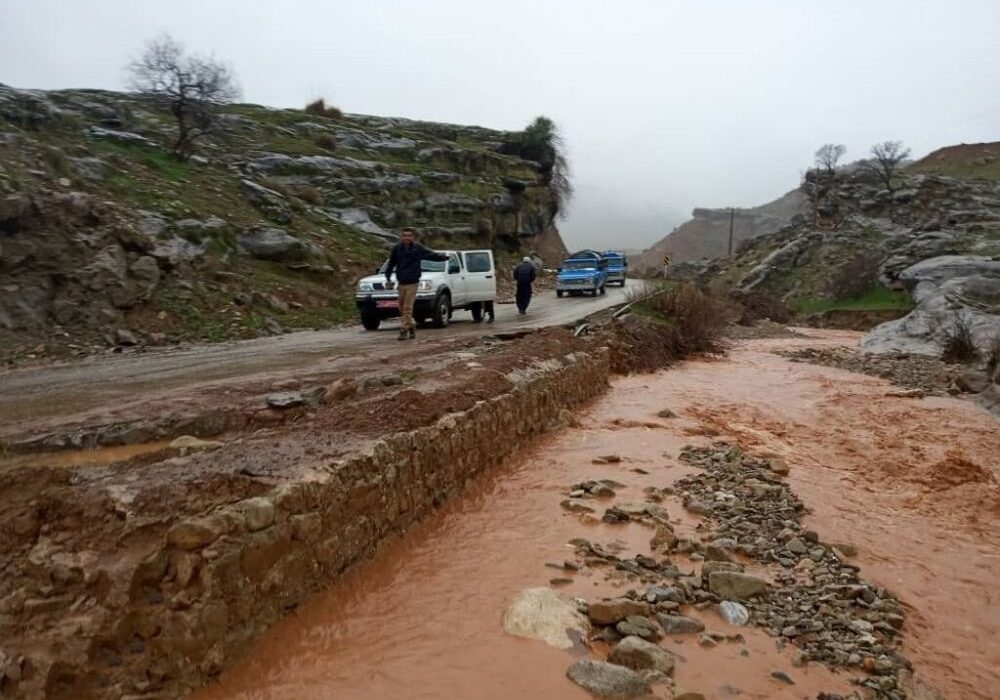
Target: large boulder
607, 680
273, 244
948, 289
542, 613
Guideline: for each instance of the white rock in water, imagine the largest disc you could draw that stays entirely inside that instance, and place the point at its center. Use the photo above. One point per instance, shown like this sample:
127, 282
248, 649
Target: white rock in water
542, 613
734, 613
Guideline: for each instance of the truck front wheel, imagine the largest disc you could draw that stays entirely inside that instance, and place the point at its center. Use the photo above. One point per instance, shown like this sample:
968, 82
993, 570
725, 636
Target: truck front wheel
559, 293
442, 310
370, 321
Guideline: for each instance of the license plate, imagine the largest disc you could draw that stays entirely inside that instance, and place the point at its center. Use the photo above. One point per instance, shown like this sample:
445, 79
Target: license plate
387, 304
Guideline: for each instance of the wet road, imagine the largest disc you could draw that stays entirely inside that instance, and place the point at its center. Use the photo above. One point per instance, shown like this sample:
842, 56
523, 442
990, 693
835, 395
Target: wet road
42, 391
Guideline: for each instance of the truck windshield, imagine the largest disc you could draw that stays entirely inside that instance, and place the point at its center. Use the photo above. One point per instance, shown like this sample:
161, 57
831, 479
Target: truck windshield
425, 266
579, 265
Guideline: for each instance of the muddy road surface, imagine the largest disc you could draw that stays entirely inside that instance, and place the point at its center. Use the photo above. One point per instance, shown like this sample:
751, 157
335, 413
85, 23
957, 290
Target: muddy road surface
129, 386
910, 484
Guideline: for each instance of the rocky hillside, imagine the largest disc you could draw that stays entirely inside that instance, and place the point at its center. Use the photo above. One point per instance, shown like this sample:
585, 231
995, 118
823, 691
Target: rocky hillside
106, 240
929, 247
706, 235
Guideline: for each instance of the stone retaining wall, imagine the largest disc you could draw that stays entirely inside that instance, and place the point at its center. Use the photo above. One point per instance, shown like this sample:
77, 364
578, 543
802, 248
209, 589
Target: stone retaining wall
177, 609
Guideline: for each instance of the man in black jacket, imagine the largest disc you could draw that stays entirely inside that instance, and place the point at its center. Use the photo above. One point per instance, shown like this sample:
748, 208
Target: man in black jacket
405, 260
524, 275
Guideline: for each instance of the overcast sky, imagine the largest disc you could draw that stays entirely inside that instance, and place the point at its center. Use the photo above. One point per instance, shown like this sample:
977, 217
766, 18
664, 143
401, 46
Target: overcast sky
664, 105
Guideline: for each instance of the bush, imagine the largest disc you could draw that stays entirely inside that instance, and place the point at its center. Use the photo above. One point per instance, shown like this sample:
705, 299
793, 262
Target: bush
857, 277
668, 326
957, 343
325, 140
757, 306
321, 108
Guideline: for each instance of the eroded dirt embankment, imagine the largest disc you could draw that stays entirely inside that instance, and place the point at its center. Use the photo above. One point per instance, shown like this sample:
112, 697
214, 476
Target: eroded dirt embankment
910, 483
146, 572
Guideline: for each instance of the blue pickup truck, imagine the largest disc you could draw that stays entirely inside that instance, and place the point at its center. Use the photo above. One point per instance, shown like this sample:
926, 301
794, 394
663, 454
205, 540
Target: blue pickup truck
583, 271
617, 266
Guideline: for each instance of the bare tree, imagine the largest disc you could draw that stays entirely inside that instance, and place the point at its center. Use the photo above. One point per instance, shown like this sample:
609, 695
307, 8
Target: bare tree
192, 87
885, 161
828, 155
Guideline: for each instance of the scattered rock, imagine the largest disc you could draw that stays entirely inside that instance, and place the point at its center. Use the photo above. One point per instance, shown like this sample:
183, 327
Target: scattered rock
666, 413
610, 612
639, 655
607, 680
638, 626
779, 466
679, 624
736, 586
783, 677
734, 613
125, 337
545, 614
343, 388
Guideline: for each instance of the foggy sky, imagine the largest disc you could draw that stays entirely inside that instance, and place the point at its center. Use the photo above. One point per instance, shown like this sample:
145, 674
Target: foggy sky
664, 105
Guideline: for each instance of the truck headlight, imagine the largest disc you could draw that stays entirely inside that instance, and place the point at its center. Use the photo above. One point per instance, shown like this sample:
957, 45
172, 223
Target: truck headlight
425, 286
365, 287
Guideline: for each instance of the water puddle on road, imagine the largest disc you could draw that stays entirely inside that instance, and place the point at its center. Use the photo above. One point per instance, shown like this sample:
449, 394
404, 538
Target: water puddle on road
100, 456
424, 620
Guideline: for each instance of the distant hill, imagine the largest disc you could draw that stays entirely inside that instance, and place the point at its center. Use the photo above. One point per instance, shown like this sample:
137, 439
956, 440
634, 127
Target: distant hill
967, 160
706, 234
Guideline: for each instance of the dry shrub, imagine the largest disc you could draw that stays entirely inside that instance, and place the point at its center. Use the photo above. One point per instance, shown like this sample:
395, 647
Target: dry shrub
993, 358
668, 326
275, 185
56, 159
321, 108
957, 344
326, 141
309, 194
757, 306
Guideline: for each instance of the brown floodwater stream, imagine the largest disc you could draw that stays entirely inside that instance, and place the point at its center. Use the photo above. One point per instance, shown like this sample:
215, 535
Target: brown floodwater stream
423, 620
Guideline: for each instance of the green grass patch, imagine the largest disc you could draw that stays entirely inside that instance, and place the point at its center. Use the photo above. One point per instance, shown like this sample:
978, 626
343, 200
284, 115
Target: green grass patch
879, 298
985, 171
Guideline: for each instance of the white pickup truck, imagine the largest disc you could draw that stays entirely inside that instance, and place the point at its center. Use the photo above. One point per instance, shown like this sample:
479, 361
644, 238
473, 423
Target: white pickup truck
464, 281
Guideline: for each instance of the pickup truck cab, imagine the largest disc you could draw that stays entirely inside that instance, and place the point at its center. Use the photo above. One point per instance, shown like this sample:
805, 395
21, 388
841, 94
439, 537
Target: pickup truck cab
464, 281
617, 266
583, 271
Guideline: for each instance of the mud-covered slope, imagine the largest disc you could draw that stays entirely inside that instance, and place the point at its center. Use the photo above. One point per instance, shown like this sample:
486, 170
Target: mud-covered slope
706, 235
107, 240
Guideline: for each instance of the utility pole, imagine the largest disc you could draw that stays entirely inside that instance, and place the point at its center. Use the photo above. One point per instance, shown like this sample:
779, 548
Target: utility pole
732, 215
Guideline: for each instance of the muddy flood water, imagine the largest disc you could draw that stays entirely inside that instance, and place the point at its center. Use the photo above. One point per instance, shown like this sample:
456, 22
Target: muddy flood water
911, 482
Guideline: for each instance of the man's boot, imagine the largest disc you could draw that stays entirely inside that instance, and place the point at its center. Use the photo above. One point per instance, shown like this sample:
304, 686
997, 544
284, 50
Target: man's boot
402, 335
413, 334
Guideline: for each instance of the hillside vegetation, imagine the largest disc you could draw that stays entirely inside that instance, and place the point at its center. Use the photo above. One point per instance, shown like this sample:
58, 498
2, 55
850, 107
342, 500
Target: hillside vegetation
108, 240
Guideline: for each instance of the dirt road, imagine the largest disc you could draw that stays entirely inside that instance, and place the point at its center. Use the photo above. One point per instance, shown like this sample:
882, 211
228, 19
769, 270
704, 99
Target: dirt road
109, 387
911, 483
